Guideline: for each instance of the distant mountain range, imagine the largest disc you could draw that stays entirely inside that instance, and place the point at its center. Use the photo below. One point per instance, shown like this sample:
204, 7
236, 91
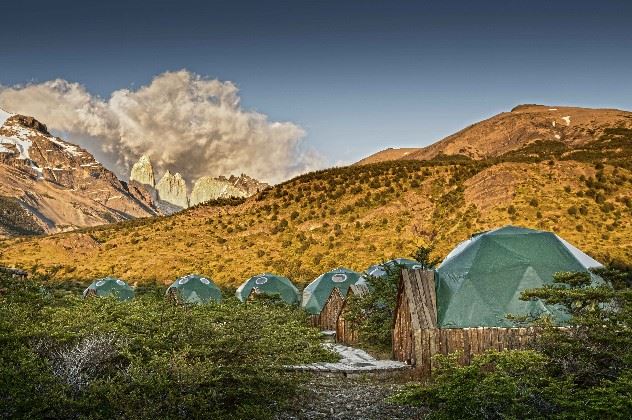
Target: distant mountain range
49, 185
171, 193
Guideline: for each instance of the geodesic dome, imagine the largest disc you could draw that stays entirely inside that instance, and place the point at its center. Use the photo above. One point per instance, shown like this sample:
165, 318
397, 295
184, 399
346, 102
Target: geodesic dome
379, 270
109, 286
481, 280
316, 293
269, 284
195, 289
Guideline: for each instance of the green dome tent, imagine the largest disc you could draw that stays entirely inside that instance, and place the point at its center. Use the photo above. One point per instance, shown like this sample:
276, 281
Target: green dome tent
269, 284
109, 286
379, 270
481, 280
194, 289
316, 293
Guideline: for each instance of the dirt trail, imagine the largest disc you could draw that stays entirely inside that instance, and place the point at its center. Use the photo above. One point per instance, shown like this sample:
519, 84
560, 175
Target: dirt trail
339, 397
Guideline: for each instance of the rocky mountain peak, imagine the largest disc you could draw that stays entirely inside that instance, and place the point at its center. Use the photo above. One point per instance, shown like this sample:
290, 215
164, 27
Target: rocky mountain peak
60, 185
524, 125
143, 172
207, 188
172, 188
247, 184
28, 122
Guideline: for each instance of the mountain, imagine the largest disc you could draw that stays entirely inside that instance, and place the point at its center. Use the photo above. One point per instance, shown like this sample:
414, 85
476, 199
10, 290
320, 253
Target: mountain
143, 172
172, 188
48, 185
170, 194
208, 188
389, 154
359, 215
243, 182
523, 125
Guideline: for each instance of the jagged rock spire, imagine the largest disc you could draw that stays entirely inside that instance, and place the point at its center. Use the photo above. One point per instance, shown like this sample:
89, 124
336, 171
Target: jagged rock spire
143, 172
173, 189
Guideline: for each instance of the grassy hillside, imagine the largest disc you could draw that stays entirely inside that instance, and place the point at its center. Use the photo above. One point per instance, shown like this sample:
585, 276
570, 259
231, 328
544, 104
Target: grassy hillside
359, 215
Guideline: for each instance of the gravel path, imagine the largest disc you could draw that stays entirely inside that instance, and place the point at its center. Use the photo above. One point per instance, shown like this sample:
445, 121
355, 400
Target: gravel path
337, 397
352, 361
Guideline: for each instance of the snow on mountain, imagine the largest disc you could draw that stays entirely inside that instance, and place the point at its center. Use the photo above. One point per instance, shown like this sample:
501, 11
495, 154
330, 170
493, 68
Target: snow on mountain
59, 185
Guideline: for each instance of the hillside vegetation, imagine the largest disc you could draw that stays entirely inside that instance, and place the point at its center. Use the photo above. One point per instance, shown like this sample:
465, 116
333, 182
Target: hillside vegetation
355, 216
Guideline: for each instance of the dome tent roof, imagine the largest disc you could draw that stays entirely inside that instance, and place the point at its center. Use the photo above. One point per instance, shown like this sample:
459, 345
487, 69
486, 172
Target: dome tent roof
317, 292
110, 286
379, 270
269, 284
193, 288
481, 280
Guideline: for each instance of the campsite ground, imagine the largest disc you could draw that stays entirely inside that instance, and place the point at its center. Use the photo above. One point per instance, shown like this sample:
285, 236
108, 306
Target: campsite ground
339, 397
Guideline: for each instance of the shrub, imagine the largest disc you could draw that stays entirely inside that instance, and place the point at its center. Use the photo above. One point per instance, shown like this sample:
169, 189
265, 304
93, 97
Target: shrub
100, 358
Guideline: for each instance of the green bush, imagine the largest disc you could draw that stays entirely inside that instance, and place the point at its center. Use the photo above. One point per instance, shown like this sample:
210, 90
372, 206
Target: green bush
63, 357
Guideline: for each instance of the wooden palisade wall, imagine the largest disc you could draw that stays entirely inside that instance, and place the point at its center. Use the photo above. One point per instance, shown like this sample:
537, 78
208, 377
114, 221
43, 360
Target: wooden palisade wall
467, 341
346, 329
416, 337
416, 310
327, 318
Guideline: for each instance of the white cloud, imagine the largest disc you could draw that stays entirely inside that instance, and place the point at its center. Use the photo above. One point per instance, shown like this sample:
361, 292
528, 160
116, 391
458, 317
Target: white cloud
184, 122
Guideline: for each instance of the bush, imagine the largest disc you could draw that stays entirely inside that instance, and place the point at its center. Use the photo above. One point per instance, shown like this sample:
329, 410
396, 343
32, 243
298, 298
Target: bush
496, 385
100, 358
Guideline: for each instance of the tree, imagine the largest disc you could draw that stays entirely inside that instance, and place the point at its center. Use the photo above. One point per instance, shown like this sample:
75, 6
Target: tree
423, 256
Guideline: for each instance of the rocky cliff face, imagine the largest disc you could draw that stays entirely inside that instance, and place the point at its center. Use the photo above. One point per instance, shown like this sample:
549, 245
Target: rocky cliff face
172, 188
208, 188
58, 184
170, 194
143, 172
248, 185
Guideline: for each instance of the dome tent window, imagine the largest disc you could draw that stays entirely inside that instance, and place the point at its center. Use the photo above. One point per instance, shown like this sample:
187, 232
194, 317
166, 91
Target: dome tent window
261, 280
339, 278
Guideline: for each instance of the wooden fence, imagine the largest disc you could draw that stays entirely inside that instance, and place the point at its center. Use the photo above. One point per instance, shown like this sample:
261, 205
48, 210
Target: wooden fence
416, 338
347, 329
467, 341
326, 319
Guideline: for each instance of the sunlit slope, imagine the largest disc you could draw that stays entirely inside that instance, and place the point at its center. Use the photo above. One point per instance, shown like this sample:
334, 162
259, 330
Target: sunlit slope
350, 217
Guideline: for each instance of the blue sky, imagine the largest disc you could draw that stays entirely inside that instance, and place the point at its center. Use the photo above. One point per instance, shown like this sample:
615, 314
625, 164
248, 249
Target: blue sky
358, 76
